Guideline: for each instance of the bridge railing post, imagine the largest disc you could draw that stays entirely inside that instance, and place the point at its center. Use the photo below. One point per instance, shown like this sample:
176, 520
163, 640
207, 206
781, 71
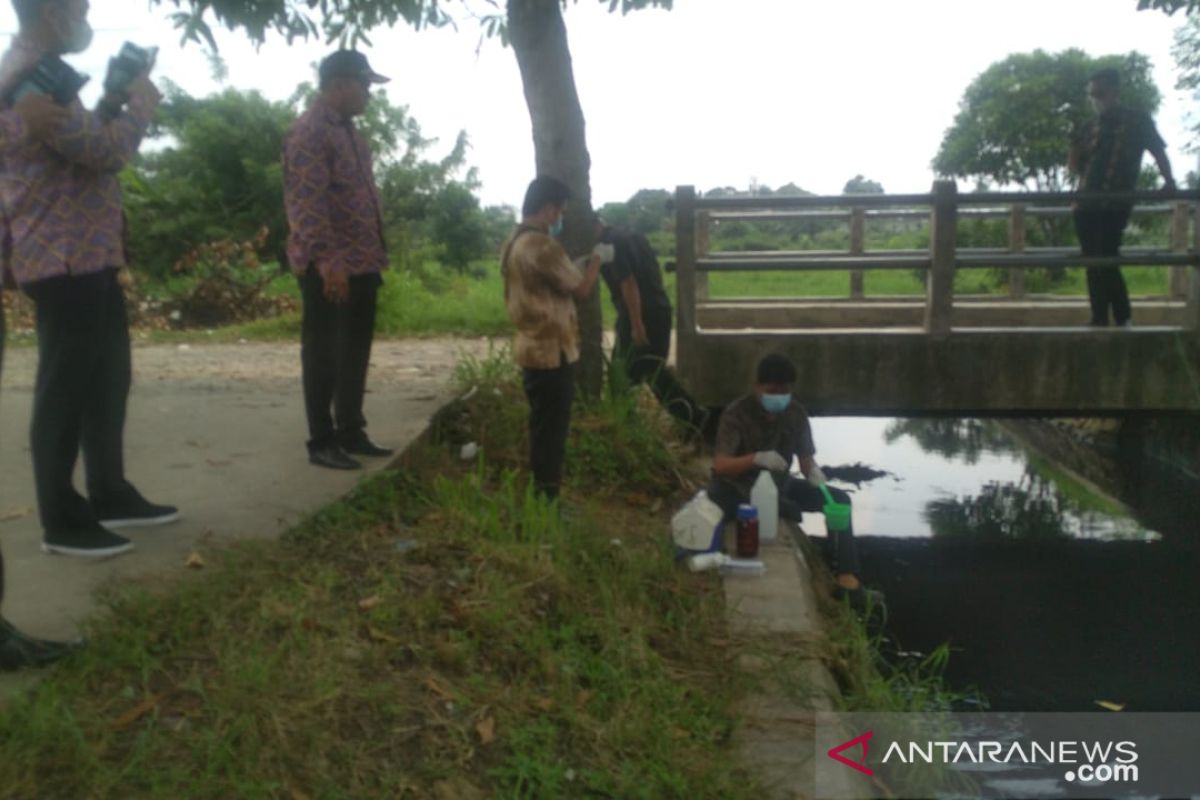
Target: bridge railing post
1180, 221
703, 248
1016, 245
685, 274
858, 246
943, 244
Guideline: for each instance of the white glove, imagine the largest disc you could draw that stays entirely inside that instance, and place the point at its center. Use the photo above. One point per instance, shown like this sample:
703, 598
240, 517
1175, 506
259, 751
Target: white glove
769, 459
605, 252
816, 477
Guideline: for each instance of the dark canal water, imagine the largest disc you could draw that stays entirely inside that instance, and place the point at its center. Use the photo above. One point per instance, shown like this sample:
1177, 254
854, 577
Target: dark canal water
1053, 596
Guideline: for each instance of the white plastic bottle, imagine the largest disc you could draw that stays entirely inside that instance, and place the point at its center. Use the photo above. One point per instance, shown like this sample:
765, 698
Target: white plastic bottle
765, 497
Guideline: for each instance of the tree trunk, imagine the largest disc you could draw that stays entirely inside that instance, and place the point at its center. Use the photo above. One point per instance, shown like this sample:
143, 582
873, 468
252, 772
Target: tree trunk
539, 39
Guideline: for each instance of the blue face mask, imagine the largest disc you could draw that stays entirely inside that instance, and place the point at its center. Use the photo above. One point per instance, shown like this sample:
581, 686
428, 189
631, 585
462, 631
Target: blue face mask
776, 403
556, 228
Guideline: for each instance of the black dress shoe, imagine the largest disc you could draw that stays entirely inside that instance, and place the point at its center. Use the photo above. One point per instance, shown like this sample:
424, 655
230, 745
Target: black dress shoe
18, 651
361, 445
332, 457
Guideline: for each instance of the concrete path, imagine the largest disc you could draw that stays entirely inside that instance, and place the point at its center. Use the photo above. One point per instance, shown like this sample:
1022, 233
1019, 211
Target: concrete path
776, 738
217, 430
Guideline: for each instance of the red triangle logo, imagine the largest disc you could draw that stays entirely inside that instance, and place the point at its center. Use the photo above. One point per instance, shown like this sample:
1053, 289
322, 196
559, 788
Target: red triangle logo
861, 766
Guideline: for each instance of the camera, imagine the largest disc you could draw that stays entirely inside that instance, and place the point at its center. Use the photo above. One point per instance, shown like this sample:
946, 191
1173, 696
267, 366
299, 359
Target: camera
127, 65
51, 76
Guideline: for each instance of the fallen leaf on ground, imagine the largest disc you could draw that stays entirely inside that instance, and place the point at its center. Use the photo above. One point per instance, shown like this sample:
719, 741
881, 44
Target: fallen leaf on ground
486, 728
367, 603
584, 697
435, 686
195, 561
137, 712
297, 794
544, 703
1110, 706
380, 636
20, 513
638, 500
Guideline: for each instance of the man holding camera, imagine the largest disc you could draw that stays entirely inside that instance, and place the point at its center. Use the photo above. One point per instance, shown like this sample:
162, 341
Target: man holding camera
62, 203
336, 248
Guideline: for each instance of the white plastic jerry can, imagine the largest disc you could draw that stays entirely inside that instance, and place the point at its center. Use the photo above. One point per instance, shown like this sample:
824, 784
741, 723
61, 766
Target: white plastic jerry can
765, 496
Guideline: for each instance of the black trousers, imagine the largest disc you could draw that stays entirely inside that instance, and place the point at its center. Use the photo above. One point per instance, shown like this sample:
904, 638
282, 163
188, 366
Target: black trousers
649, 364
335, 353
1100, 231
551, 393
83, 377
795, 497
3, 332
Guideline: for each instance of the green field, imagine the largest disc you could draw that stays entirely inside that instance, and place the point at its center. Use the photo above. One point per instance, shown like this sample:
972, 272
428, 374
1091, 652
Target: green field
436, 302
1142, 282
474, 306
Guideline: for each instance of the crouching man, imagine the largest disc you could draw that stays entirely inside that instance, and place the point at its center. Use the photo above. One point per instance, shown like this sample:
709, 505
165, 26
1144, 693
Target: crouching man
765, 430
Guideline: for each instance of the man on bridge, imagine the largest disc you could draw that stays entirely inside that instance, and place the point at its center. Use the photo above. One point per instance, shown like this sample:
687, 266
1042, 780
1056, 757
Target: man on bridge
1108, 158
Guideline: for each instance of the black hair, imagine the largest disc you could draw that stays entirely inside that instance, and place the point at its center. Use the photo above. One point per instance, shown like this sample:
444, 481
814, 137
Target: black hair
1109, 78
776, 368
544, 191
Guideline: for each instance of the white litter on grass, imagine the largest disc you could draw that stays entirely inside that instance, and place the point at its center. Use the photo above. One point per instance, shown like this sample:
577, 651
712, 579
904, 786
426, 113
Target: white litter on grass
468, 451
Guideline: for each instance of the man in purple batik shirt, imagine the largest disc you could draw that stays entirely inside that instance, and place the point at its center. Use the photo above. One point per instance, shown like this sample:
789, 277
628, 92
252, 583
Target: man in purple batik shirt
62, 205
335, 247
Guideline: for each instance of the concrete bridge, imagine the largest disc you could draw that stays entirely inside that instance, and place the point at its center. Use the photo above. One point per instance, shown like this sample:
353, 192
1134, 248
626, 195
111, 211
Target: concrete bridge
941, 354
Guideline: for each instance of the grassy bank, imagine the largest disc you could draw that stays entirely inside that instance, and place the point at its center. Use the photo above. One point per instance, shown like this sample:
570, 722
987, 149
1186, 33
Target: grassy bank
438, 634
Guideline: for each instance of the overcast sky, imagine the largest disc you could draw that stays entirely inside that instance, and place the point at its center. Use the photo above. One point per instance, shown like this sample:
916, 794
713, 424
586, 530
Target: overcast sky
712, 93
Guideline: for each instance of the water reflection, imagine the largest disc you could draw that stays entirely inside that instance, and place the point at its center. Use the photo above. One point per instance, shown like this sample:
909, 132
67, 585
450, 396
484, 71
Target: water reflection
1000, 511
957, 478
965, 439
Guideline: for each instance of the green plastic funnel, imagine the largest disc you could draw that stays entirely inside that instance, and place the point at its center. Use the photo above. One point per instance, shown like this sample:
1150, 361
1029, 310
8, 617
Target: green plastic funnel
837, 515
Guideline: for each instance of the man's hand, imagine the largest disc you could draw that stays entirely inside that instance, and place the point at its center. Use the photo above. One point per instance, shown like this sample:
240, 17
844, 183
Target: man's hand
816, 477
770, 460
40, 115
144, 88
605, 252
337, 286
640, 337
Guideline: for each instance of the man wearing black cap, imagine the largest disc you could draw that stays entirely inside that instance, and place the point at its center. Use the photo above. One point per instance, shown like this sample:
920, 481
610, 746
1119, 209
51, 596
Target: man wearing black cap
335, 247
